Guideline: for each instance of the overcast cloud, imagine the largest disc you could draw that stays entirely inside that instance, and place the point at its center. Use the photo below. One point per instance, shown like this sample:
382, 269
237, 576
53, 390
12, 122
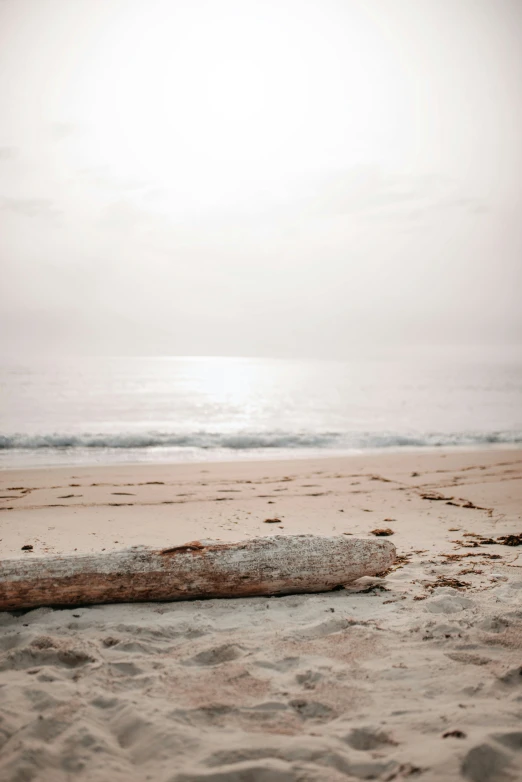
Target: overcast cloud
259, 178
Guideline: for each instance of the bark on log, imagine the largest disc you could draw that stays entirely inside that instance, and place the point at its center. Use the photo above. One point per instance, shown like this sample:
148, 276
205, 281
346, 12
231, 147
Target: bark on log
200, 569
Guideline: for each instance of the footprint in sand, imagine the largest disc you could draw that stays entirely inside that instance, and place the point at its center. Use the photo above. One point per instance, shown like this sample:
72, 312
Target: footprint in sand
125, 668
485, 763
513, 677
308, 679
368, 738
216, 655
312, 710
45, 650
281, 760
448, 604
260, 770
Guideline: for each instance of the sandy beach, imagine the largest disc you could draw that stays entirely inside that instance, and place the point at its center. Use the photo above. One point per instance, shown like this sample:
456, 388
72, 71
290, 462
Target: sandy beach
261, 391
415, 674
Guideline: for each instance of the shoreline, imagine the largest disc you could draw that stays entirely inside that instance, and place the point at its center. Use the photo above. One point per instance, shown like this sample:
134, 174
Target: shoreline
276, 455
417, 673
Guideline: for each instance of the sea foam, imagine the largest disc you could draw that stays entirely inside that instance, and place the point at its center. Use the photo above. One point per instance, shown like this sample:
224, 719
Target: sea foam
256, 440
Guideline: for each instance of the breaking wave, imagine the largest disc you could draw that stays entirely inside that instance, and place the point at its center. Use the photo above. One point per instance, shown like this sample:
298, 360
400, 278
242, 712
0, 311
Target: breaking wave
256, 440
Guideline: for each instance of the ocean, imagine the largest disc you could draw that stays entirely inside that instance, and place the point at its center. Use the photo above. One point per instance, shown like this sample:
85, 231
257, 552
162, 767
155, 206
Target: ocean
139, 409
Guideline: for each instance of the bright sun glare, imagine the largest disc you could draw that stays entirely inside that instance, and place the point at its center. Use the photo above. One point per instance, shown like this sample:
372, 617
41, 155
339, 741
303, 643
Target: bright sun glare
214, 103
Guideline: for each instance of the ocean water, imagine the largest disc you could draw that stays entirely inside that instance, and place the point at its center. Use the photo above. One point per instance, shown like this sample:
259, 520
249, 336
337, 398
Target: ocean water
108, 410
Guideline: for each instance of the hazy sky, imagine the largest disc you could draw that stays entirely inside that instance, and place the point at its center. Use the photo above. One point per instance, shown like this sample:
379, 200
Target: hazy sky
282, 177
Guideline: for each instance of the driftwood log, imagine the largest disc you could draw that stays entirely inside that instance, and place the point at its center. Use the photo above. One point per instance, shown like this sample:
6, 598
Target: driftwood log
200, 569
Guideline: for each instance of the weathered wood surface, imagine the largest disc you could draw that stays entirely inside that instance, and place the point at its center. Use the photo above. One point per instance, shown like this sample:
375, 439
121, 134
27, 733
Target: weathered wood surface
200, 569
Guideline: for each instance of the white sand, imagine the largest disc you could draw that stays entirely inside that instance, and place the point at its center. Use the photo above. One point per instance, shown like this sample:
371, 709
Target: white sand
356, 684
